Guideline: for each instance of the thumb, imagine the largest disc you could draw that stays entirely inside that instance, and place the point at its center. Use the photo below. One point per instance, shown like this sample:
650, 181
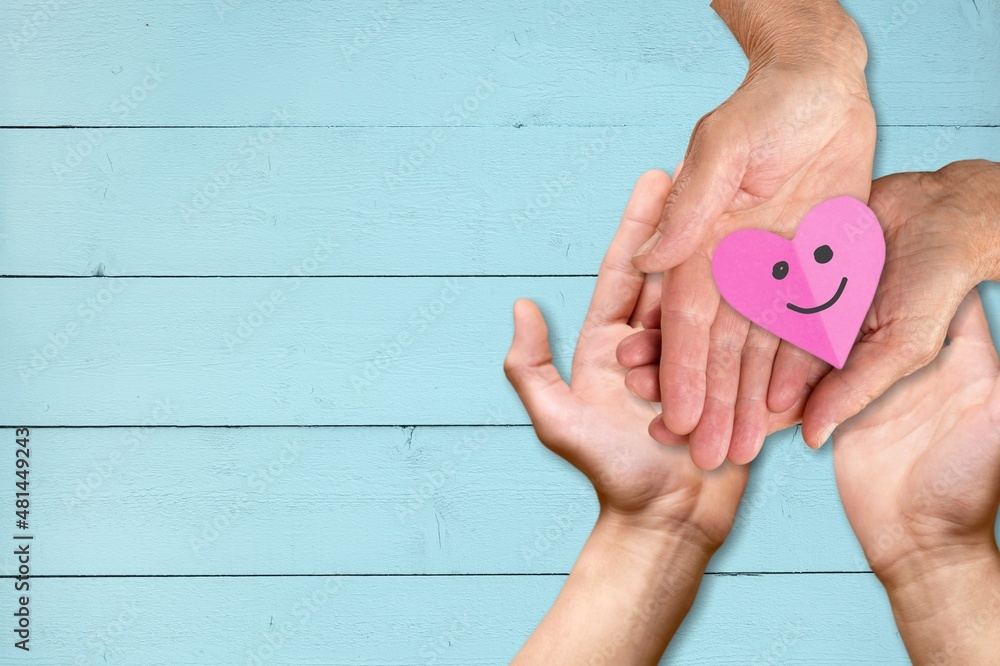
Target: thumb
529, 369
703, 189
970, 329
873, 366
970, 325
980, 455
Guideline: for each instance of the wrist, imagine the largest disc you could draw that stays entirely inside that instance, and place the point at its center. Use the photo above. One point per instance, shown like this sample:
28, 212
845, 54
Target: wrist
797, 34
625, 597
928, 570
948, 610
660, 527
650, 543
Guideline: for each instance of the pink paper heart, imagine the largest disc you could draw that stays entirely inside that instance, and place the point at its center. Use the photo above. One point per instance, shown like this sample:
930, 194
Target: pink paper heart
813, 290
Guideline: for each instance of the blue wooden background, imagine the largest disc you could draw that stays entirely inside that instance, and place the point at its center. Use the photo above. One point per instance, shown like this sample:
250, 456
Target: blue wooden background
258, 260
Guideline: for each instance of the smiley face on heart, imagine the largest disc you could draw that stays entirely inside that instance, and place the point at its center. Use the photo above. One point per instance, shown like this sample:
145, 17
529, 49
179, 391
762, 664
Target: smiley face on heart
813, 290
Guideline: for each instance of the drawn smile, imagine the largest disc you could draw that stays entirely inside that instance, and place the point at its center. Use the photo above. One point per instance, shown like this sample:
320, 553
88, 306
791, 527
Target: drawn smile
820, 308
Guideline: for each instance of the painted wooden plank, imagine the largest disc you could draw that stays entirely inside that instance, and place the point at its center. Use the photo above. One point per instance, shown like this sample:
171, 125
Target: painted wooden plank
273, 351
373, 500
233, 62
819, 620
286, 351
338, 201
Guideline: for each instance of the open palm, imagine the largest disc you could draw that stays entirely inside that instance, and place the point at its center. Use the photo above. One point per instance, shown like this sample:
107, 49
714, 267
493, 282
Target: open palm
784, 142
919, 468
938, 232
594, 422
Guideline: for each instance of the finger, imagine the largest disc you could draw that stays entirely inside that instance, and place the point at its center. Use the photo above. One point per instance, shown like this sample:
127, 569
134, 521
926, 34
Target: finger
874, 365
529, 369
970, 324
788, 376
649, 299
891, 194
644, 382
970, 328
618, 281
659, 432
640, 348
651, 319
750, 424
705, 187
710, 439
690, 304
793, 416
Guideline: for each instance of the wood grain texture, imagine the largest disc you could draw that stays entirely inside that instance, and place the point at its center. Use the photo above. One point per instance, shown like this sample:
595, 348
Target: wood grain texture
233, 351
358, 201
376, 138
395, 621
233, 62
376, 501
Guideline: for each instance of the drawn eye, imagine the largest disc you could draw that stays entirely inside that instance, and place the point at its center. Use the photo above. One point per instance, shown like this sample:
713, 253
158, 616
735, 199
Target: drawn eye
823, 254
780, 270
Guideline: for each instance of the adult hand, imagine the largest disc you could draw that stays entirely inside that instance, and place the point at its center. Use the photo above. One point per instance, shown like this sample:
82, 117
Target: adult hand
661, 517
942, 234
919, 476
798, 131
639, 354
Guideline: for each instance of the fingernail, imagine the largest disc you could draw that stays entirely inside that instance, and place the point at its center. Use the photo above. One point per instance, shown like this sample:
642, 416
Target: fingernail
649, 245
825, 435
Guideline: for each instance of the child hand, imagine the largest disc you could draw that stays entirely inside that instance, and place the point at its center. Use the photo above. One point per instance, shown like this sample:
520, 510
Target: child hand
595, 423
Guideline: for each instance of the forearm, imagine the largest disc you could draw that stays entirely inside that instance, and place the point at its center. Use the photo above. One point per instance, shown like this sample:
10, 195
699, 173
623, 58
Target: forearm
625, 597
795, 32
948, 612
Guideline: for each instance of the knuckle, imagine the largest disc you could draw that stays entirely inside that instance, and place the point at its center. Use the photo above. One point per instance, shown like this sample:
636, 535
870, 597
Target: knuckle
705, 128
688, 319
925, 349
511, 369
